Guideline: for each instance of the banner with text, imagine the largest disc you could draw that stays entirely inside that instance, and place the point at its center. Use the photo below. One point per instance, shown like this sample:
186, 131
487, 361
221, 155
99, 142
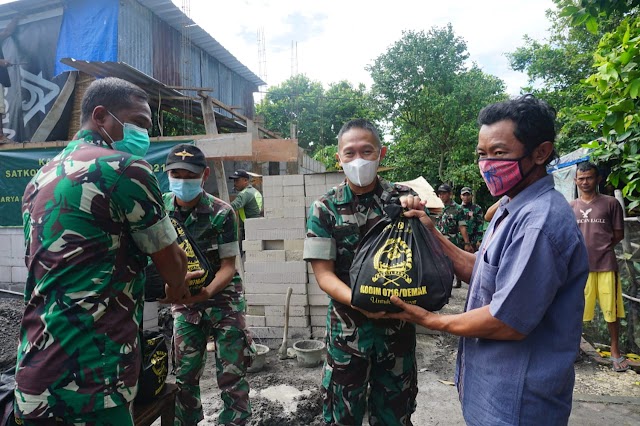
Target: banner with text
17, 167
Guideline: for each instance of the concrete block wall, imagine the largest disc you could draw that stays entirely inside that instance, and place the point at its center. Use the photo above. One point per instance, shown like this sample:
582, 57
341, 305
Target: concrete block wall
273, 260
13, 273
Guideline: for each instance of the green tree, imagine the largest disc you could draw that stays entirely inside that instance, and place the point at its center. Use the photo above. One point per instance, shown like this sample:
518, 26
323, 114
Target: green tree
556, 68
432, 99
613, 90
327, 156
317, 114
295, 102
614, 110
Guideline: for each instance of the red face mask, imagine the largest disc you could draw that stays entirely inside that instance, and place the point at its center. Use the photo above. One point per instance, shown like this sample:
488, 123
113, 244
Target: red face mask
501, 174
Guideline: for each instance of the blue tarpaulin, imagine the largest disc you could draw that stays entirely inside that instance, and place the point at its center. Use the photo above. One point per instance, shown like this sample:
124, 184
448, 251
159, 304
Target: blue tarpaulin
89, 32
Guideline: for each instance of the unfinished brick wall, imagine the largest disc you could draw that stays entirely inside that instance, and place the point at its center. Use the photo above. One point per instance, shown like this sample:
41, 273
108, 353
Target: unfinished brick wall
273, 262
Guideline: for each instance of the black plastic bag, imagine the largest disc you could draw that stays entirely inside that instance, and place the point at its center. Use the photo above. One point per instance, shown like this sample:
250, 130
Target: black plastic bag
398, 256
155, 366
7, 387
196, 260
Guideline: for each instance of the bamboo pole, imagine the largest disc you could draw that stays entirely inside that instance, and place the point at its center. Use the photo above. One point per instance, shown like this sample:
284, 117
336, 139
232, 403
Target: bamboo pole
631, 270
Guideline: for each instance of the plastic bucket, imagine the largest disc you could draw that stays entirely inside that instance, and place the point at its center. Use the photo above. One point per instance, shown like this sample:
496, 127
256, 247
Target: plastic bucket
259, 360
309, 353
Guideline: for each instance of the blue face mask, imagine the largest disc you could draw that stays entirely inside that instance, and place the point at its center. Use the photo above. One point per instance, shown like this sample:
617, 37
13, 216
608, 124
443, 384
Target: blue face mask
185, 189
135, 140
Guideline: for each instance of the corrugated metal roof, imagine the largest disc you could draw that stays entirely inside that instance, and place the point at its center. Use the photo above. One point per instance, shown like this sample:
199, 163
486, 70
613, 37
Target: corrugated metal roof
170, 13
124, 71
156, 89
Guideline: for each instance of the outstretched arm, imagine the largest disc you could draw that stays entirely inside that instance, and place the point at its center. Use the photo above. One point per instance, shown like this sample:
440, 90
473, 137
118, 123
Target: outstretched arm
474, 323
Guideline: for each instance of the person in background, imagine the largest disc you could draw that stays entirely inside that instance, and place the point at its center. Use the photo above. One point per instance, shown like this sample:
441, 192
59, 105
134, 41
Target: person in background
248, 202
219, 309
601, 220
520, 332
364, 352
474, 217
452, 223
92, 216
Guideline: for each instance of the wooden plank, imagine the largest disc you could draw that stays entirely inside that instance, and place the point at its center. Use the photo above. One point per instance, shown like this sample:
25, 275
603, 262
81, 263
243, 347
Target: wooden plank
32, 145
216, 147
218, 165
186, 138
226, 145
263, 150
241, 117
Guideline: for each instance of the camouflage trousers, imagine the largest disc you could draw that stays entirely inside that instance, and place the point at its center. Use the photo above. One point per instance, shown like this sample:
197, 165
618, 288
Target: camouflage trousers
362, 354
233, 354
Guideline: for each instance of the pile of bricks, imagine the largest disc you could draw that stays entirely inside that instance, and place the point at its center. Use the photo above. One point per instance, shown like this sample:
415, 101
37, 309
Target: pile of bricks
273, 248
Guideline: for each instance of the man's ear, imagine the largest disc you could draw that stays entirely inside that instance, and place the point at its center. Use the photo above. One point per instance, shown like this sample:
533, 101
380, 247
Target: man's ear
100, 115
542, 152
205, 175
383, 152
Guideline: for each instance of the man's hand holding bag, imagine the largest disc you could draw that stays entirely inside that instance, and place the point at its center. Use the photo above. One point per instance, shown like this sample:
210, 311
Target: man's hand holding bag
398, 256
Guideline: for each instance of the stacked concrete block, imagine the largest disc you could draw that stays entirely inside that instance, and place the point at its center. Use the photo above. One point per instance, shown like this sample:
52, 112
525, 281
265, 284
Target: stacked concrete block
13, 272
273, 262
274, 247
284, 196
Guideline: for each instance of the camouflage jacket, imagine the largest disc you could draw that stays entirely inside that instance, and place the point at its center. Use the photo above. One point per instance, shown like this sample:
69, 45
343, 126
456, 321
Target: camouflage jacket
91, 217
475, 222
449, 221
214, 226
339, 219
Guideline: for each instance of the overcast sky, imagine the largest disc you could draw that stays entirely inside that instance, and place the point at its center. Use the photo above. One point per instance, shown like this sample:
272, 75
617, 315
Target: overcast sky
337, 39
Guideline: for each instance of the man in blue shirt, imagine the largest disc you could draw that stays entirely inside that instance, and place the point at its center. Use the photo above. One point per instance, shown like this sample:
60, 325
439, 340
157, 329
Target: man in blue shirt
520, 332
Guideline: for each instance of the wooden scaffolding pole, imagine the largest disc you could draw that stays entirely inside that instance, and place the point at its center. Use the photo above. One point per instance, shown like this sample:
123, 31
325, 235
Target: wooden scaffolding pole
211, 128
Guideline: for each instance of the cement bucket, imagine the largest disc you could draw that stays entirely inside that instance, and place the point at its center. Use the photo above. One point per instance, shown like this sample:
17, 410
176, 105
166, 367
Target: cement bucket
309, 353
259, 360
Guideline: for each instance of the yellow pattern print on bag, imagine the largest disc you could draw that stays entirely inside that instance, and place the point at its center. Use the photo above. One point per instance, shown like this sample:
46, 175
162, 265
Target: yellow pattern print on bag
195, 260
393, 259
160, 368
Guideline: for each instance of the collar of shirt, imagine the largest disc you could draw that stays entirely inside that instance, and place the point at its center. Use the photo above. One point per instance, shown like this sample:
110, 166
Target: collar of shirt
344, 195
531, 192
91, 137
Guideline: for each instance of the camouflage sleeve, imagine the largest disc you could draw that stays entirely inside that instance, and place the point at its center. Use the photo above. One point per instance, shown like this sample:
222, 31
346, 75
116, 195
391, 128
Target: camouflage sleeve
137, 195
319, 243
228, 237
480, 217
240, 200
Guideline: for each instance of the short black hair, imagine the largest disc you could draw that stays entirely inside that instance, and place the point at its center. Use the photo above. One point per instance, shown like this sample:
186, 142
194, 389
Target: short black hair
115, 94
534, 120
585, 166
360, 123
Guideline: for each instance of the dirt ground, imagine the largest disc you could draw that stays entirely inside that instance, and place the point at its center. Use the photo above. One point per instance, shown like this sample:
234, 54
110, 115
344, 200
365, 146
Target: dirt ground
286, 394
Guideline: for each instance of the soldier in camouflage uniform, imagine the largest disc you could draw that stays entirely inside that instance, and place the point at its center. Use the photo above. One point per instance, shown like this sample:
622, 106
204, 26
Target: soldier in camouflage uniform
475, 217
452, 223
92, 215
363, 349
220, 308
